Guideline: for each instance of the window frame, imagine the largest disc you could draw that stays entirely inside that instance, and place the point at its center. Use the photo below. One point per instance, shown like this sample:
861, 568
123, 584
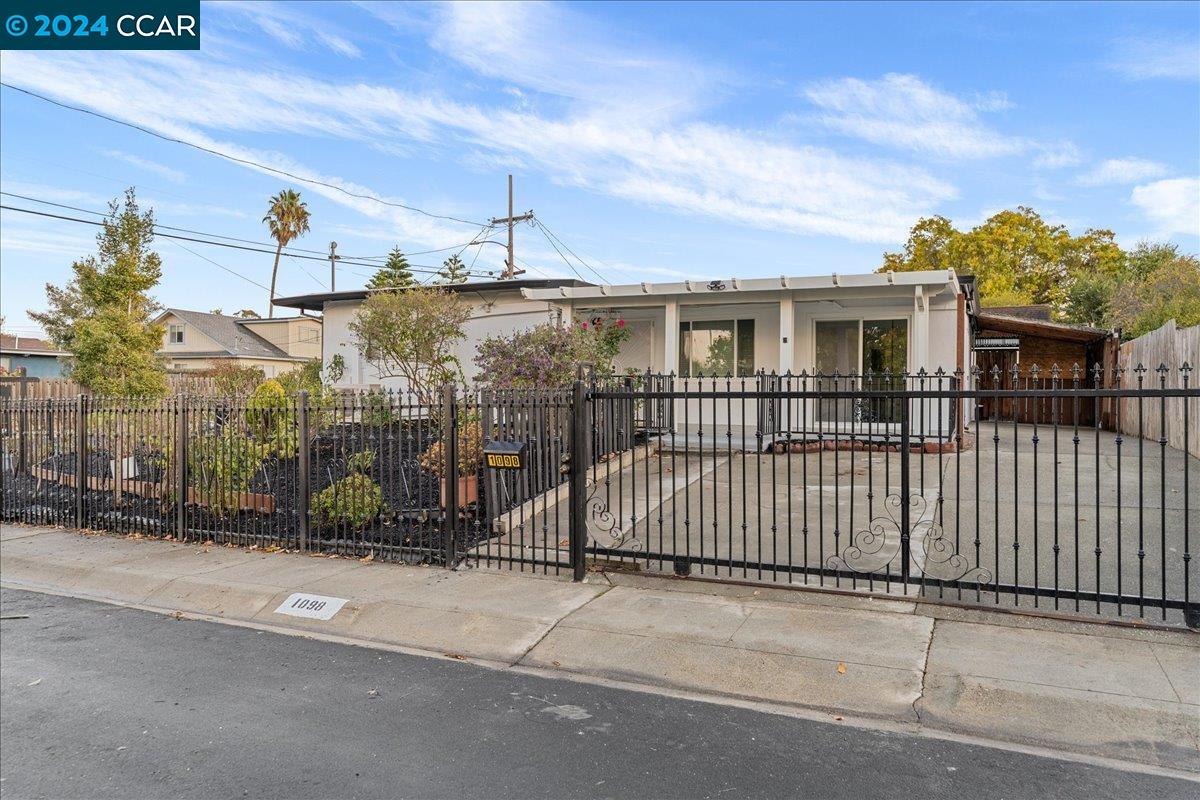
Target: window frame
685, 331
172, 329
861, 318
876, 315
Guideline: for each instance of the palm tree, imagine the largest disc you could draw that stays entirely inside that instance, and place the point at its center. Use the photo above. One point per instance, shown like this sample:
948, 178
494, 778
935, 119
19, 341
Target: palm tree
287, 219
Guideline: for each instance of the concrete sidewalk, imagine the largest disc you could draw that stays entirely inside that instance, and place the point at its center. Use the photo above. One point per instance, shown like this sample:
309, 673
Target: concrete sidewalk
1103, 690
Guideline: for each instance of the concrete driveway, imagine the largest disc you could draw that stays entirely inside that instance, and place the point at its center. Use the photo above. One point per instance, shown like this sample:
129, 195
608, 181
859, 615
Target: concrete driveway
1053, 514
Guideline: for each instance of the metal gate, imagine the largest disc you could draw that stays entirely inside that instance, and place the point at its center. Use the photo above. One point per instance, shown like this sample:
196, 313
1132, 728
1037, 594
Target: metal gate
896, 484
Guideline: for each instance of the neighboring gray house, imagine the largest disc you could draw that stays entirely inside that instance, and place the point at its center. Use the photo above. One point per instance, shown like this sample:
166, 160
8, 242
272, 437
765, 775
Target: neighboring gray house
194, 341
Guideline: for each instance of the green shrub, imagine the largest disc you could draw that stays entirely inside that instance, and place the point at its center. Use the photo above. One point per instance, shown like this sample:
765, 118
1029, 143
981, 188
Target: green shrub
221, 466
271, 418
361, 462
376, 410
354, 501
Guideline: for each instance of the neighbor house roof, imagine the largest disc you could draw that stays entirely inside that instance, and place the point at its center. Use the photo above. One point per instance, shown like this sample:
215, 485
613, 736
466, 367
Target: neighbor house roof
1038, 311
988, 319
27, 346
230, 333
316, 302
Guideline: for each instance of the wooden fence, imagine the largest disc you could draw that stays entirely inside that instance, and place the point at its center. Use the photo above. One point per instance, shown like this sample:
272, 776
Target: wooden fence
1172, 346
14, 387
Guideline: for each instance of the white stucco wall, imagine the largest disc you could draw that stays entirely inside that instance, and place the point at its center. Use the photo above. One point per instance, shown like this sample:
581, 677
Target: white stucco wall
932, 337
497, 315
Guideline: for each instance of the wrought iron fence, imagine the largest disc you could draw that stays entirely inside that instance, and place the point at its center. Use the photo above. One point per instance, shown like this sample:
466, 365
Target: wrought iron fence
998, 489
1017, 490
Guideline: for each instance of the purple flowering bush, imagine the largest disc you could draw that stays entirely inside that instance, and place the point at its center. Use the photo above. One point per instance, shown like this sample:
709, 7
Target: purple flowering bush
545, 356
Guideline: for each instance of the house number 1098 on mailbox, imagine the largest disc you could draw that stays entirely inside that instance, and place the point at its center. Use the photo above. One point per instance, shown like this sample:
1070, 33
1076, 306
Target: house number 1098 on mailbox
504, 455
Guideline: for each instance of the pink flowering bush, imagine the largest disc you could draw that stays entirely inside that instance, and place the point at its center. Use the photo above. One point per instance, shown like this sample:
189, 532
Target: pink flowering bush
546, 356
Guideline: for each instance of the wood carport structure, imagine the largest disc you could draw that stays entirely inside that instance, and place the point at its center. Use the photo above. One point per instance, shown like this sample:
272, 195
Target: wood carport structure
1023, 337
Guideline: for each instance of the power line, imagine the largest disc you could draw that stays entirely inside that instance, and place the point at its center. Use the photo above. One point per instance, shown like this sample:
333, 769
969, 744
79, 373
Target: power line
415, 267
549, 233
460, 247
220, 266
236, 159
566, 261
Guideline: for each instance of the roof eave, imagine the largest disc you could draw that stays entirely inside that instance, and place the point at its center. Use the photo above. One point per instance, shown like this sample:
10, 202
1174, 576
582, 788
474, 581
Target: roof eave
736, 285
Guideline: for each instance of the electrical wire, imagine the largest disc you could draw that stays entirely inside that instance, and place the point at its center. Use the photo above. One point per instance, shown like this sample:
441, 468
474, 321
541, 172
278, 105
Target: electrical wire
236, 159
320, 253
220, 266
566, 261
158, 232
550, 234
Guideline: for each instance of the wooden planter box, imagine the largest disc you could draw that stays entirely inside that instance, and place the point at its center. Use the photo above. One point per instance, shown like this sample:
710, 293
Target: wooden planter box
468, 490
245, 501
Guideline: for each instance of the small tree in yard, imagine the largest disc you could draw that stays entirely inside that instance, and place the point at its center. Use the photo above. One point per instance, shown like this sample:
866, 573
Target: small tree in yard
103, 317
453, 271
410, 335
394, 274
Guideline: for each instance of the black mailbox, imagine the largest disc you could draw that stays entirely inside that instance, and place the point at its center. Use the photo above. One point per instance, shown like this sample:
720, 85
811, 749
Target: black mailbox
504, 455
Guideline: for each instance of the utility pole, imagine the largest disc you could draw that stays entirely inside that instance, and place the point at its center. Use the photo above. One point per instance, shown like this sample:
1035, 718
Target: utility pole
333, 257
510, 266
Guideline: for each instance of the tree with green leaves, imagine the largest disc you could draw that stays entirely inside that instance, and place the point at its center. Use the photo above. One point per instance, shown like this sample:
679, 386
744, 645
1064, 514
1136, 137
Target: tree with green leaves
394, 274
411, 334
104, 317
453, 271
286, 219
1158, 284
1016, 256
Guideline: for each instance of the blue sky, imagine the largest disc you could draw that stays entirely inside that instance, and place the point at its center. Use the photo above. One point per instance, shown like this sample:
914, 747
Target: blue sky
657, 141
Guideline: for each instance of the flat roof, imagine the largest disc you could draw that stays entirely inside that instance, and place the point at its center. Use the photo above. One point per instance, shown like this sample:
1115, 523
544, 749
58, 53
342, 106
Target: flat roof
316, 302
941, 277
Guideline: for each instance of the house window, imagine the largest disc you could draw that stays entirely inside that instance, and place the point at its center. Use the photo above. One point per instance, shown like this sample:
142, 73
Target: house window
716, 347
875, 349
175, 334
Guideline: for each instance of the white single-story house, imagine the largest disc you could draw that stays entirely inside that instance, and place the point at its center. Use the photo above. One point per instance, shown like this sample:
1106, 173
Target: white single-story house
903, 321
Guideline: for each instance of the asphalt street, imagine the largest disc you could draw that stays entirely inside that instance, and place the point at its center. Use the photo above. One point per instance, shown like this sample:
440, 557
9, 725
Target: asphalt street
102, 701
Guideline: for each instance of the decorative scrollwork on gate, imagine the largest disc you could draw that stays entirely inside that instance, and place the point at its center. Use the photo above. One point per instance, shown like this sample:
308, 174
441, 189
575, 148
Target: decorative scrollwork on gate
602, 524
874, 549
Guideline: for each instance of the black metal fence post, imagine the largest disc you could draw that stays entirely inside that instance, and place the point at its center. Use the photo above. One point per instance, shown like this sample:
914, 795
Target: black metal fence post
181, 483
577, 487
81, 471
22, 425
304, 483
905, 489
449, 472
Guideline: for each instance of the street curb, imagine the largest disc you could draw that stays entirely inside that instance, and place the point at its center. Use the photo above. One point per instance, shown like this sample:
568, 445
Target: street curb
558, 643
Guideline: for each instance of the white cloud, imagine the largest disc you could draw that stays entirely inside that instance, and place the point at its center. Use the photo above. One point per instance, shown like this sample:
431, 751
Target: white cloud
1172, 205
287, 26
1121, 171
906, 113
903, 111
173, 175
1055, 155
553, 49
1161, 57
749, 177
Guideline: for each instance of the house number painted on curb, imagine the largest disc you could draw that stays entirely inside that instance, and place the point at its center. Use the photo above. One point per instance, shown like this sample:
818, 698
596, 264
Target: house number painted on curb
311, 606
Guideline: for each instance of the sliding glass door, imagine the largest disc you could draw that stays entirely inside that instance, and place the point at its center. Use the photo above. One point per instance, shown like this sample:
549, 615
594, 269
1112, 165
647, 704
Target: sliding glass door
875, 352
